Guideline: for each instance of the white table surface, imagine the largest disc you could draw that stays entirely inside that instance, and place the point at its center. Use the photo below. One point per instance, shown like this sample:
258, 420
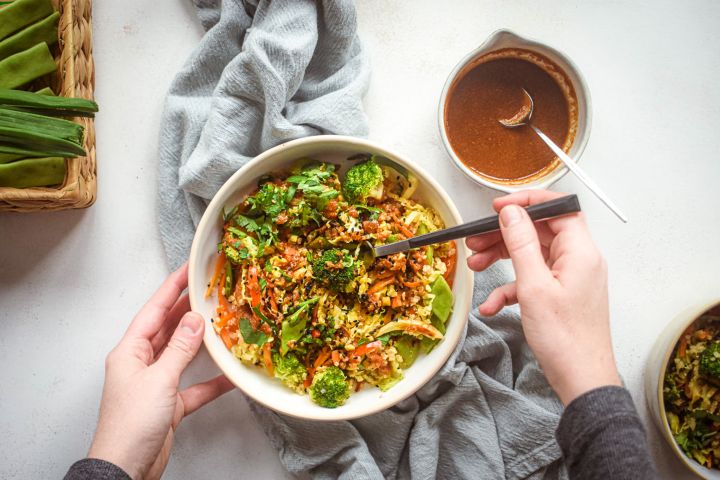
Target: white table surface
71, 281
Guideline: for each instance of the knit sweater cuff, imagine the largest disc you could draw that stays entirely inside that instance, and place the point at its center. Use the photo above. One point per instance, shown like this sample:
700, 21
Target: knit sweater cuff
95, 469
590, 412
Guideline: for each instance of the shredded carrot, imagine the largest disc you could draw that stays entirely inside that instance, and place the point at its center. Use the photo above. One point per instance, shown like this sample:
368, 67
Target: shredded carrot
405, 230
396, 301
315, 312
219, 267
388, 317
682, 346
402, 227
273, 303
267, 357
321, 359
336, 357
379, 285
414, 284
254, 286
366, 348
450, 263
309, 379
225, 336
358, 386
223, 310
385, 275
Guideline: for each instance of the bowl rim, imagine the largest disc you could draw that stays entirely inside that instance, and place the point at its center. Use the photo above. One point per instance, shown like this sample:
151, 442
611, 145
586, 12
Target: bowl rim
443, 351
541, 48
691, 315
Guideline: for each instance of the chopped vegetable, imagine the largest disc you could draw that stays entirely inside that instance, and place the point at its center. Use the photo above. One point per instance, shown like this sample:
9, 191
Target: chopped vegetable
336, 268
710, 362
363, 181
249, 334
330, 388
411, 327
442, 303
289, 369
294, 325
408, 347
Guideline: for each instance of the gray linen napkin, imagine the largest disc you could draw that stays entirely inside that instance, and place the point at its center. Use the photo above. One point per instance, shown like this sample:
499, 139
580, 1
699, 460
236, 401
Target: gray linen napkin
269, 72
264, 73
488, 413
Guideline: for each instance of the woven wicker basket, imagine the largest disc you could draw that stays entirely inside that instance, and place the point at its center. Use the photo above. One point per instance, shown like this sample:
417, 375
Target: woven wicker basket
75, 78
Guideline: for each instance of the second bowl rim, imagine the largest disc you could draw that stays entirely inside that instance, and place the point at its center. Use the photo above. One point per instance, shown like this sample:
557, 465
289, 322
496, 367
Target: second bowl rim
690, 315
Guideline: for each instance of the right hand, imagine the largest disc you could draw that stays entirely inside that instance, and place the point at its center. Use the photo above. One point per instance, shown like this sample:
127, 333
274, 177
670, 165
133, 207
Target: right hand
561, 286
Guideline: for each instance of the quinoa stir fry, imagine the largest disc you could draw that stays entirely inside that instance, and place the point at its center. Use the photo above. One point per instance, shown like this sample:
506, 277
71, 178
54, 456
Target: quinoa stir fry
692, 391
300, 293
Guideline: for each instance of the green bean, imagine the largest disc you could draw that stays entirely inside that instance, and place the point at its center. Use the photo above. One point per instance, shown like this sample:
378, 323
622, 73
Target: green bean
21, 13
23, 152
31, 122
36, 172
46, 105
43, 31
39, 142
9, 157
21, 68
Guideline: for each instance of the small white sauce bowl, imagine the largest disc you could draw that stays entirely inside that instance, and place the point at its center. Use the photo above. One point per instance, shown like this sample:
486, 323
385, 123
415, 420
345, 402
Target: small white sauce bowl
499, 40
655, 370
253, 380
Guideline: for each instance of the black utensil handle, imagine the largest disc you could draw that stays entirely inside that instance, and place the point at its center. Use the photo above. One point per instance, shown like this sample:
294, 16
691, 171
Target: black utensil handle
541, 211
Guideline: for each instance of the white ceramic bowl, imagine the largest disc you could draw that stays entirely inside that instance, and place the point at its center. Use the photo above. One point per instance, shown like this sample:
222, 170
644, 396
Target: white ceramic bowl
502, 39
254, 381
655, 377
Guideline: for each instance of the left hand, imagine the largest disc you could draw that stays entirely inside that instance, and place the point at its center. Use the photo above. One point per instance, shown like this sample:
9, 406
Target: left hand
141, 406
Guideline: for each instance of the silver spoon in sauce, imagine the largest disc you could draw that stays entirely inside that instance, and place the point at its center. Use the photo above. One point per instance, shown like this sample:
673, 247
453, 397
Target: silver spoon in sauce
523, 117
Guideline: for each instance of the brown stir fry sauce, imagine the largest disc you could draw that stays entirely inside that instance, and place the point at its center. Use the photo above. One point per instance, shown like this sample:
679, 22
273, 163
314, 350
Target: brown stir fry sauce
491, 89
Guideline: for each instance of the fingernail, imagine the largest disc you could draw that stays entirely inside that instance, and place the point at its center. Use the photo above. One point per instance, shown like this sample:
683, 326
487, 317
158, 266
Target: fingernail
510, 215
191, 323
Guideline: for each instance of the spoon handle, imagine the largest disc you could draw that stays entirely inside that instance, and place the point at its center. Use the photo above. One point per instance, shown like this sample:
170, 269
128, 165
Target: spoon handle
540, 211
580, 174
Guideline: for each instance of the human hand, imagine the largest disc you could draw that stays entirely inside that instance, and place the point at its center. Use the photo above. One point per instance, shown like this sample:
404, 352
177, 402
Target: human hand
561, 286
141, 406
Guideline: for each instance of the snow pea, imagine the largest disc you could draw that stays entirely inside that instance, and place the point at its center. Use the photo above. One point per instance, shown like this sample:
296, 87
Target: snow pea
35, 172
43, 31
21, 13
24, 67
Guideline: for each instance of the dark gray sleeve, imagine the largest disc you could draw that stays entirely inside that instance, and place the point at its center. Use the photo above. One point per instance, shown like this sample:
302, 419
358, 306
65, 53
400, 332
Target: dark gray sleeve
95, 469
601, 437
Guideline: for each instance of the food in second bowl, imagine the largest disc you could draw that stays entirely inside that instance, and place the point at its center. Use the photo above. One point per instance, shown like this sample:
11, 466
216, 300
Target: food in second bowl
300, 293
691, 391
490, 88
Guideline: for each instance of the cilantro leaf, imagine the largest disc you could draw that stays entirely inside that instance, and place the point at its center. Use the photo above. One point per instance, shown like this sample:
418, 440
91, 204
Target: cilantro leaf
250, 335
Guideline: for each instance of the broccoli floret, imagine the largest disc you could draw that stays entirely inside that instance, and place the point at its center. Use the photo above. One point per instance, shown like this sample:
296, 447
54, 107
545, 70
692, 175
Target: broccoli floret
289, 369
336, 268
330, 388
710, 362
363, 181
